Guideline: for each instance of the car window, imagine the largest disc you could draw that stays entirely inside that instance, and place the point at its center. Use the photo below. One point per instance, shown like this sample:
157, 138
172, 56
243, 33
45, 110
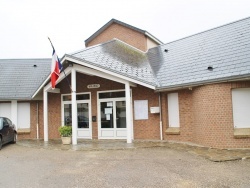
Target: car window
1, 123
5, 123
9, 122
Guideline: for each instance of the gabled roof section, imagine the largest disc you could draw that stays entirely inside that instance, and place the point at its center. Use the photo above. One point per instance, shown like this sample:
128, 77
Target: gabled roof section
185, 62
20, 78
125, 25
120, 58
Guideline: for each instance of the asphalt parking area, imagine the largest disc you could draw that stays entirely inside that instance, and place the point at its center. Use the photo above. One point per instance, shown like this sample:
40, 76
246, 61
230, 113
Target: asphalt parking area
143, 167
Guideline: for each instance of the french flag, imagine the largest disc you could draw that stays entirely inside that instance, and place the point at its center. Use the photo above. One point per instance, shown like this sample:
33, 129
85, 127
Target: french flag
56, 68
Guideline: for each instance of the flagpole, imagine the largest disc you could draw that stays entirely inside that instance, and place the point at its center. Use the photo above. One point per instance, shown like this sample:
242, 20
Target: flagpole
62, 67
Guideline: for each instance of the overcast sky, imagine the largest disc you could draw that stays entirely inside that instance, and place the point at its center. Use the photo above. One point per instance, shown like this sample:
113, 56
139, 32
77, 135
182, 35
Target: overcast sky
26, 24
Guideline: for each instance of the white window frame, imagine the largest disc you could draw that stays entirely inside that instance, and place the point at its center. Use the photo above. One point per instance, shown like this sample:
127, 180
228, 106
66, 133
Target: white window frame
241, 107
77, 101
112, 99
7, 109
173, 110
21, 117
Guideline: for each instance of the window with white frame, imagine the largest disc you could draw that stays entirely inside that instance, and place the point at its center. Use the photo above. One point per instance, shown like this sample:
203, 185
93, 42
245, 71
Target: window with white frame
5, 110
173, 110
241, 107
23, 115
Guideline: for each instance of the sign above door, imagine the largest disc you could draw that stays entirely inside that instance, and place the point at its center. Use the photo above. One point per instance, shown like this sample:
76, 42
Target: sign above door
93, 86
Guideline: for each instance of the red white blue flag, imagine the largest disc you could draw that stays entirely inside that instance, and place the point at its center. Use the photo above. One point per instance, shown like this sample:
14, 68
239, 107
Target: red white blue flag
56, 68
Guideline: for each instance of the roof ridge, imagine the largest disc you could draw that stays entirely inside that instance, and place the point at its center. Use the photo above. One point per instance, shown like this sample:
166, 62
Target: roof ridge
108, 24
113, 20
90, 47
123, 23
112, 40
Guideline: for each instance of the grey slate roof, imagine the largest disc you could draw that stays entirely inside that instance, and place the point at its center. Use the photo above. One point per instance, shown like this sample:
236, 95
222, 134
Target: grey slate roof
120, 58
226, 49
20, 79
123, 24
186, 62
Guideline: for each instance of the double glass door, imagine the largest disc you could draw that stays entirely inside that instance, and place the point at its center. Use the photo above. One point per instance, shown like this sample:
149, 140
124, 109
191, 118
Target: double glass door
112, 122
84, 128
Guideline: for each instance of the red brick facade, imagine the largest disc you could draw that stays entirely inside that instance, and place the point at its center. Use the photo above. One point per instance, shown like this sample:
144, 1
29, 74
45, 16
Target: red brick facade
205, 112
206, 116
143, 129
185, 112
146, 129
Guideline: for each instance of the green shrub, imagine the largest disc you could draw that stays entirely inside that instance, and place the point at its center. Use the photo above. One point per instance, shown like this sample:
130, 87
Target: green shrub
65, 131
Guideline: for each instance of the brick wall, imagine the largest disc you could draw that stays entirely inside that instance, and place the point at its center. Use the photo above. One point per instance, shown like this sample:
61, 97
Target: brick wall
54, 114
185, 112
213, 116
206, 116
33, 121
205, 113
146, 129
122, 33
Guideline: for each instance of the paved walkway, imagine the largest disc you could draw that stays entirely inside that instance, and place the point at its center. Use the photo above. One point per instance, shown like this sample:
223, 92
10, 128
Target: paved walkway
212, 154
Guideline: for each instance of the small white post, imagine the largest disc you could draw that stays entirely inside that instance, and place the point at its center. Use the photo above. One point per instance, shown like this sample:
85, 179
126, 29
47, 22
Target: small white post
74, 107
128, 113
45, 113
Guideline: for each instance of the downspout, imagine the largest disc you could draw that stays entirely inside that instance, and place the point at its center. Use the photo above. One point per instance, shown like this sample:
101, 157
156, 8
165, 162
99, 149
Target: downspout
160, 116
37, 120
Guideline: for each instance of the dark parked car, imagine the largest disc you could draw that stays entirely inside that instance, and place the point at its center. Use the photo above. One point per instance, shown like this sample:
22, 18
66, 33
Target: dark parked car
7, 131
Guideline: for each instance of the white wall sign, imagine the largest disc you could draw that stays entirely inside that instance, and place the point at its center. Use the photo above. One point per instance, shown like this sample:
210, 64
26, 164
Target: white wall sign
93, 86
109, 104
141, 109
107, 116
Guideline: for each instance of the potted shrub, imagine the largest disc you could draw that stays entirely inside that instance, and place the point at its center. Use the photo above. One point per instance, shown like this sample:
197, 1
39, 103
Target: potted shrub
65, 133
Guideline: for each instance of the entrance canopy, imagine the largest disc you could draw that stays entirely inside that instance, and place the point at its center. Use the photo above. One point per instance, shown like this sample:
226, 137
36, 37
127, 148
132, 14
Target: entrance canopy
115, 61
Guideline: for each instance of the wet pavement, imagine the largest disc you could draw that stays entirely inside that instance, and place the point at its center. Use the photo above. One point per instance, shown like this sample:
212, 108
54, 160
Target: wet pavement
212, 154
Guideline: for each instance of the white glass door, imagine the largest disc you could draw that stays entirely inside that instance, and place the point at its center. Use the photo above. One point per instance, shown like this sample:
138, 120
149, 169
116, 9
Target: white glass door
112, 121
84, 123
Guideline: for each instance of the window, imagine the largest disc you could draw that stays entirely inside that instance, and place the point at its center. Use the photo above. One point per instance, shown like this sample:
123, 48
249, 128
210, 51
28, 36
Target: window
1, 123
241, 107
5, 110
106, 95
5, 122
78, 97
23, 115
173, 110
9, 122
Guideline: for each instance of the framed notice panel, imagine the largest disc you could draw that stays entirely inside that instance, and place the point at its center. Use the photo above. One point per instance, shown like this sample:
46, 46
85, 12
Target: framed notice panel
141, 109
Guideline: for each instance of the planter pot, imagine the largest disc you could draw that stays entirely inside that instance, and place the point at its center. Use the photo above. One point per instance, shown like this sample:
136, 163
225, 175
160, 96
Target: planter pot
66, 140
